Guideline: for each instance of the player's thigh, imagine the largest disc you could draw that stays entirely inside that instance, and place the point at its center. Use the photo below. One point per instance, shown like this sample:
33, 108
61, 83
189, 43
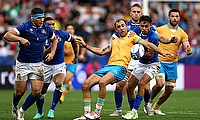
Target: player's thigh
132, 82
91, 81
108, 78
120, 85
69, 76
20, 86
36, 85
59, 78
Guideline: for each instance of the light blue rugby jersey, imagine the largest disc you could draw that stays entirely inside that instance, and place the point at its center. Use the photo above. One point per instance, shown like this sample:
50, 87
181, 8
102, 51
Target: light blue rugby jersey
36, 37
62, 36
152, 37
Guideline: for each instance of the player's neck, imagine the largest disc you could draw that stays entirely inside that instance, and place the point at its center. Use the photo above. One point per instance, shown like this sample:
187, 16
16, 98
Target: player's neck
172, 27
135, 21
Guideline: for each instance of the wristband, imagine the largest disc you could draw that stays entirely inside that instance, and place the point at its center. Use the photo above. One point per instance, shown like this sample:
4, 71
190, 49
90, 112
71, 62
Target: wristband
169, 40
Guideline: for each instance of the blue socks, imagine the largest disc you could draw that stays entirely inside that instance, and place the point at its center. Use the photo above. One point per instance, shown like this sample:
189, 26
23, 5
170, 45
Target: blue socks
131, 103
40, 103
30, 100
138, 101
118, 100
56, 97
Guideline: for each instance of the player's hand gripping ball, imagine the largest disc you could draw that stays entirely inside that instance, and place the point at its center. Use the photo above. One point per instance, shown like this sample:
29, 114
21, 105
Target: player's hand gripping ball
137, 51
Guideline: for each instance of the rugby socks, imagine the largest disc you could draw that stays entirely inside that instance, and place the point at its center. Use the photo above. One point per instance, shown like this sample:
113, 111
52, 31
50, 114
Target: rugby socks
147, 97
87, 105
131, 103
138, 101
56, 98
65, 88
99, 105
40, 103
30, 100
118, 100
15, 100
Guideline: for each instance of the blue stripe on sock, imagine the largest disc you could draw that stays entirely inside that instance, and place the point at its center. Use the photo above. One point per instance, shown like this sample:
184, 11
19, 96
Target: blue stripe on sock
100, 101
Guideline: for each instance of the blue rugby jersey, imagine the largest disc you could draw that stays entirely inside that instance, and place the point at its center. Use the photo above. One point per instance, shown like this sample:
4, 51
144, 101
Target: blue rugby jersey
36, 37
131, 26
62, 36
152, 37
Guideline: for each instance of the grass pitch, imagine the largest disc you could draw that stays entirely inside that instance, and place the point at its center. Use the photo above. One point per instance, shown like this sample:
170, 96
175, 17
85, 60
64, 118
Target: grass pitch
182, 105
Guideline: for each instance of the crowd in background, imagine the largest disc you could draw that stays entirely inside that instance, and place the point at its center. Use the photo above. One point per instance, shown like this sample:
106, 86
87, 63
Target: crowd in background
94, 19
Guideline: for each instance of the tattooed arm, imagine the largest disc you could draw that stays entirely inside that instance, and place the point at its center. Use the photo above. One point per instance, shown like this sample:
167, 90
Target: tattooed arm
95, 50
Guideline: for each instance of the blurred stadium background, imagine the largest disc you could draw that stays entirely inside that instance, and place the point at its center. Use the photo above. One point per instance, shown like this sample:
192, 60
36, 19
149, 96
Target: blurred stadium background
94, 20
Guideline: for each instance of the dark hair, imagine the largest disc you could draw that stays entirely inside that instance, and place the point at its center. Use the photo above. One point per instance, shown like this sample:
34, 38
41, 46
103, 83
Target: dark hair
173, 10
118, 20
48, 18
137, 5
69, 24
36, 10
145, 18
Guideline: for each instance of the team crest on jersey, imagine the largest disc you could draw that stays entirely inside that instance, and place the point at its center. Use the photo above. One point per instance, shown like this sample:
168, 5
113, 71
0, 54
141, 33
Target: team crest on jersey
44, 31
58, 37
121, 41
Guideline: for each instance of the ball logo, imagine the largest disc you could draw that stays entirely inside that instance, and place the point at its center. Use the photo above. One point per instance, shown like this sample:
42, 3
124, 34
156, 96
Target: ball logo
137, 51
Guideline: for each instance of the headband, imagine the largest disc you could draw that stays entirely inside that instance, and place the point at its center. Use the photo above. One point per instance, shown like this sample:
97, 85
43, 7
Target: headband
37, 15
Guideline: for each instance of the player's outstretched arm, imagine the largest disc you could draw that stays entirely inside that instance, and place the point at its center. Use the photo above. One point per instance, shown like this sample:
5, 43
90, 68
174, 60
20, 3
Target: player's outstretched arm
95, 50
154, 48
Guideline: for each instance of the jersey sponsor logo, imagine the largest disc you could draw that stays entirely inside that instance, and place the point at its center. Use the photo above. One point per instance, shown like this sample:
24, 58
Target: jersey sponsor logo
43, 31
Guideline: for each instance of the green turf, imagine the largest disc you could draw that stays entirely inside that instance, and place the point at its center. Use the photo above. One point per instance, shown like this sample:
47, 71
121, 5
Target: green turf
182, 105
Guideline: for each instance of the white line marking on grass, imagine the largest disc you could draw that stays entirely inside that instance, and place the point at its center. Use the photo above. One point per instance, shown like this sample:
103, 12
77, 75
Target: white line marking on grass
186, 112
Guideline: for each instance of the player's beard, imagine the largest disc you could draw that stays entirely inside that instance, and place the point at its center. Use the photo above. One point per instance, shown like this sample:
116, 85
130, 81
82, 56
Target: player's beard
173, 23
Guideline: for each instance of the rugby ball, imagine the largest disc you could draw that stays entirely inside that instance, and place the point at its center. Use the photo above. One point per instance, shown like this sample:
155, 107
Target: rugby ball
137, 51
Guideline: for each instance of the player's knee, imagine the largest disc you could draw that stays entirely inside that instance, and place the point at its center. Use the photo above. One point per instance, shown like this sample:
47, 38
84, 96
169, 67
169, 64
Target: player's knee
120, 86
19, 94
142, 84
102, 83
85, 86
160, 80
129, 89
59, 87
160, 85
169, 87
170, 84
36, 93
147, 89
42, 96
